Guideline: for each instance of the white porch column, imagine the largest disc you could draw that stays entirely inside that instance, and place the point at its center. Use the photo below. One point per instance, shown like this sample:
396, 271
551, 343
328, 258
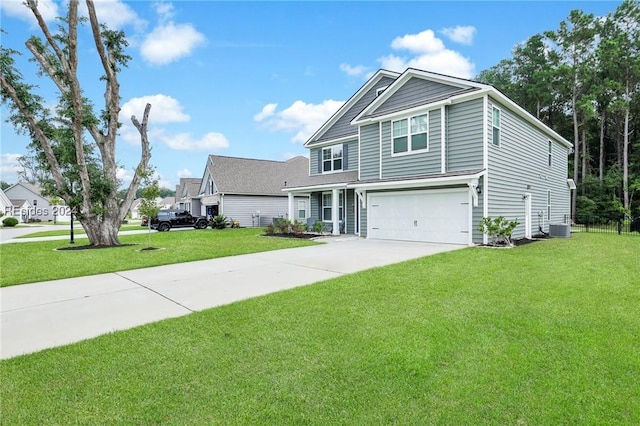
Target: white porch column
334, 211
290, 210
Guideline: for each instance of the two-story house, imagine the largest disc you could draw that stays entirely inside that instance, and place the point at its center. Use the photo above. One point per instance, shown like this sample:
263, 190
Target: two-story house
421, 156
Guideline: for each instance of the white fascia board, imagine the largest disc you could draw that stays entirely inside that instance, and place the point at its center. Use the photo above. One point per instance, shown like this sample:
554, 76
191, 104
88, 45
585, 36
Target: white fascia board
316, 188
408, 112
417, 183
350, 102
334, 141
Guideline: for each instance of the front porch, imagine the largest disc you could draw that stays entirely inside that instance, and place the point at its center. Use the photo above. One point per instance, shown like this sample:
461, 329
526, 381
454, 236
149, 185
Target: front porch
333, 205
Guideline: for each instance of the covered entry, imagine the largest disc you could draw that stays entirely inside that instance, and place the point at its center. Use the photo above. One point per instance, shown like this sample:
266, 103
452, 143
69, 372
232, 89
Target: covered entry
435, 215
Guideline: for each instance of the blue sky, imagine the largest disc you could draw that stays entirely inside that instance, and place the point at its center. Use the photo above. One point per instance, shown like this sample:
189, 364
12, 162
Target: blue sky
256, 79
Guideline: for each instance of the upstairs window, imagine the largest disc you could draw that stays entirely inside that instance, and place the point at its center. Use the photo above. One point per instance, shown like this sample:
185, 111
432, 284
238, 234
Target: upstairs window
332, 158
410, 134
496, 126
550, 152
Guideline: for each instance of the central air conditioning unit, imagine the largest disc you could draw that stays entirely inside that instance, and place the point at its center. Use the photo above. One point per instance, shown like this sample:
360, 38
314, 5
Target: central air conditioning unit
559, 230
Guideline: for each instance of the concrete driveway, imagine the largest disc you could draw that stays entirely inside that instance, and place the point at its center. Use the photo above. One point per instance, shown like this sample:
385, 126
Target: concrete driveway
53, 313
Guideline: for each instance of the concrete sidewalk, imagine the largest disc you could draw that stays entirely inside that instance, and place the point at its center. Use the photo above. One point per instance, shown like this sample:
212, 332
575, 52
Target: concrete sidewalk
53, 313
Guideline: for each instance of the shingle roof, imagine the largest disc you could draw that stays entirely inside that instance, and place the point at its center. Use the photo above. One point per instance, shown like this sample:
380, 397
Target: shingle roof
247, 176
193, 187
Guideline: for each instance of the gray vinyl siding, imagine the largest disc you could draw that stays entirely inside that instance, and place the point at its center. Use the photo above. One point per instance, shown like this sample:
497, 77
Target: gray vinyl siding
242, 207
477, 215
415, 91
363, 222
315, 154
349, 213
315, 205
343, 126
420, 163
370, 151
464, 139
519, 165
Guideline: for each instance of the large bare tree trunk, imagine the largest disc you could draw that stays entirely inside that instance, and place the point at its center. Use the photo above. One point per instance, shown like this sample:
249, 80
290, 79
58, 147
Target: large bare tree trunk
57, 56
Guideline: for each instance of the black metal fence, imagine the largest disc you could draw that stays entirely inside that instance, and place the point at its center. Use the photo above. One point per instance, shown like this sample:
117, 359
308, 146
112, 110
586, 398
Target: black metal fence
621, 225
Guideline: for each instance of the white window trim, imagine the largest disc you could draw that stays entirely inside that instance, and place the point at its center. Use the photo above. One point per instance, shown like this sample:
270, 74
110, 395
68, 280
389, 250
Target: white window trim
550, 153
304, 204
410, 151
322, 207
548, 206
332, 147
499, 126
330, 206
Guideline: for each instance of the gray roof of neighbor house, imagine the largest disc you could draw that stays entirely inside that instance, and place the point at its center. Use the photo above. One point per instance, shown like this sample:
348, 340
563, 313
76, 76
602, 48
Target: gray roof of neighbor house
247, 176
168, 200
192, 186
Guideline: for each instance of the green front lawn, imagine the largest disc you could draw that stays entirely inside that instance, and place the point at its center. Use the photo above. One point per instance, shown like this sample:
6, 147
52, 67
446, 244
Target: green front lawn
543, 334
39, 261
78, 231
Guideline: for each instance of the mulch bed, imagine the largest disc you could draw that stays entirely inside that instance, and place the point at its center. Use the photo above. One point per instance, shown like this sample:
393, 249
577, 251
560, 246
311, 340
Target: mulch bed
91, 247
304, 235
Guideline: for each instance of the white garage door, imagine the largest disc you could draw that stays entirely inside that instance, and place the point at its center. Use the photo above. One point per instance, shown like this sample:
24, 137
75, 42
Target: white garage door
439, 216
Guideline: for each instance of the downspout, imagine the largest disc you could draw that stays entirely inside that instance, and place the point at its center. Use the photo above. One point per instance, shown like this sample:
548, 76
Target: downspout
485, 162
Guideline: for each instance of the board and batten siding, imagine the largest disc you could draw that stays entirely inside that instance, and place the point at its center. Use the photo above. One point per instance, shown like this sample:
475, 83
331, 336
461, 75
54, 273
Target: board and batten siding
350, 147
464, 139
420, 163
370, 151
242, 207
520, 165
415, 91
343, 127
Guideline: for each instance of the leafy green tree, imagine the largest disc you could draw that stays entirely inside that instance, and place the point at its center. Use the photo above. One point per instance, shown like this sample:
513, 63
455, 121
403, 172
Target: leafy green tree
575, 39
4, 185
75, 145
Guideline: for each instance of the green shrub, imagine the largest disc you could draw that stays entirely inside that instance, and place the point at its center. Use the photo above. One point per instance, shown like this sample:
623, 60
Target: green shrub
298, 227
219, 222
271, 229
10, 221
283, 225
318, 227
498, 229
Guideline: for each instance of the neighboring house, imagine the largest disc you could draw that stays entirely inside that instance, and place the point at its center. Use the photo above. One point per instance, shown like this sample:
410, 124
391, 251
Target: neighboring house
250, 191
6, 206
163, 203
39, 207
422, 156
187, 192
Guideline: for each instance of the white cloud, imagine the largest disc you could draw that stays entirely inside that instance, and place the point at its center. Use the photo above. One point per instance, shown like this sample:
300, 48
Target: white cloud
164, 109
16, 8
114, 13
209, 142
9, 167
170, 42
164, 10
267, 111
302, 118
424, 42
430, 55
184, 173
124, 176
354, 71
460, 34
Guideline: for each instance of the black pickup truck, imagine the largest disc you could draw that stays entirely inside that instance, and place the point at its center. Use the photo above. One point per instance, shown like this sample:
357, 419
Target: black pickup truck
168, 219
